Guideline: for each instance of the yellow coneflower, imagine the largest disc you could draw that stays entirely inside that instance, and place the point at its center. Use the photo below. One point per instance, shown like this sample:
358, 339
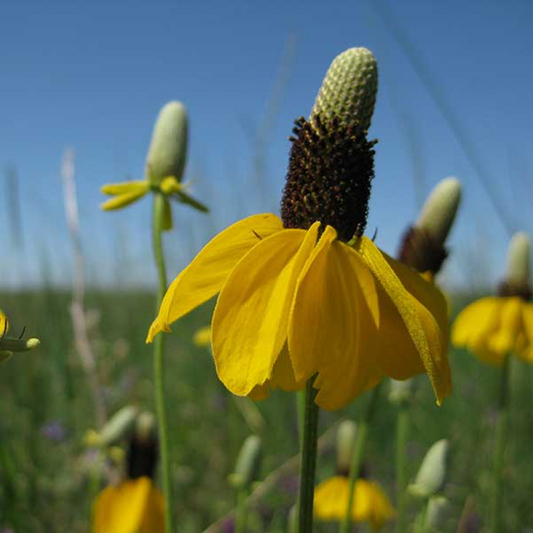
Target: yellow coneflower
135, 505
370, 503
9, 345
496, 326
308, 293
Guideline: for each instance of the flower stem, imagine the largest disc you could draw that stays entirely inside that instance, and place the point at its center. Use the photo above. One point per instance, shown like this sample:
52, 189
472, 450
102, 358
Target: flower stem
357, 457
157, 232
241, 511
499, 449
308, 460
402, 432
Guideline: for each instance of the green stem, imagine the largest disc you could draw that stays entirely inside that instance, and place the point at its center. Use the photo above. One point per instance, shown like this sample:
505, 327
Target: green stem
499, 449
308, 460
159, 373
402, 432
300, 410
241, 511
357, 457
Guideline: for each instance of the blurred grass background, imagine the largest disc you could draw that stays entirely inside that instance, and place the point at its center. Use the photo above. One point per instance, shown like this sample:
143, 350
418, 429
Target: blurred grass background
45, 481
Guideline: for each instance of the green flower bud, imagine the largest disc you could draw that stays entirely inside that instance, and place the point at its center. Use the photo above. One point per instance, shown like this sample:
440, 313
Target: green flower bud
119, 426
439, 211
400, 392
518, 260
145, 426
349, 90
432, 472
345, 443
248, 463
18, 345
438, 507
168, 150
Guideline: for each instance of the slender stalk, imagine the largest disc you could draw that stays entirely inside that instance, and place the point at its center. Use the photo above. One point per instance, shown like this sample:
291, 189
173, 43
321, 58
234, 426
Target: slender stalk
402, 432
308, 460
162, 425
241, 511
357, 457
499, 449
300, 410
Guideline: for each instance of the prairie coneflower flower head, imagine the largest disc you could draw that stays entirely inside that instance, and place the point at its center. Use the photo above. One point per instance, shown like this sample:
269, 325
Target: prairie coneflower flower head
308, 294
165, 165
10, 345
497, 326
135, 505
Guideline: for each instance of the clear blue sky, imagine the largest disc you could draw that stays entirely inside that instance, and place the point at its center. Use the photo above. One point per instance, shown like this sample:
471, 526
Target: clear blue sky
94, 75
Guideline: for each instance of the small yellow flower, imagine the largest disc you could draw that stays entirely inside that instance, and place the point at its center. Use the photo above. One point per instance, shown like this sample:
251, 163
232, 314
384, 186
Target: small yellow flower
494, 327
370, 502
164, 166
132, 506
294, 303
202, 337
9, 345
497, 326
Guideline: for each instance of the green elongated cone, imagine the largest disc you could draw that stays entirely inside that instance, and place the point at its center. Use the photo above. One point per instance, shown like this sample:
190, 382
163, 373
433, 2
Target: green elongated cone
438, 508
431, 475
349, 90
248, 463
400, 392
119, 426
168, 150
518, 261
345, 443
145, 426
438, 213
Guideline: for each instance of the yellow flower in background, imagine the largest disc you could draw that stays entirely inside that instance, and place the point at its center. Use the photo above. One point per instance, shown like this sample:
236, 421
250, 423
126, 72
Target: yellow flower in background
293, 303
308, 294
133, 506
202, 337
497, 326
9, 345
370, 503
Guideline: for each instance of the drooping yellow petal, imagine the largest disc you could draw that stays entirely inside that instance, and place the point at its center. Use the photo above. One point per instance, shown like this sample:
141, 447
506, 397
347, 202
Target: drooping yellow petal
125, 187
424, 330
4, 324
504, 339
474, 326
526, 352
122, 200
370, 502
206, 274
325, 333
250, 321
133, 506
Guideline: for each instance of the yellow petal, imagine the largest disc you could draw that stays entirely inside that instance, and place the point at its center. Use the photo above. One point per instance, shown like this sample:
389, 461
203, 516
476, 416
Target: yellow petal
252, 311
504, 339
206, 274
325, 334
4, 324
426, 330
475, 321
114, 189
122, 200
154, 513
526, 351
283, 373
122, 508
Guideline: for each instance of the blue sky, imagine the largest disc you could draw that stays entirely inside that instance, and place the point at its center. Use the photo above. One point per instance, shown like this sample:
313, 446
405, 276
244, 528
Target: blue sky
93, 76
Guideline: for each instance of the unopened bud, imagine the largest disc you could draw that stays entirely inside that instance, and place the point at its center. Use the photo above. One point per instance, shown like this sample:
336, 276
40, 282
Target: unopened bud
518, 261
145, 426
348, 93
437, 509
432, 472
438, 213
345, 445
118, 426
248, 463
400, 392
167, 154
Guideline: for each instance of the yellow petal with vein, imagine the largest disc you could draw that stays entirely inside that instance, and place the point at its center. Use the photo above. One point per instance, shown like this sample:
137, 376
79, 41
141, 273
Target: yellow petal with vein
326, 333
208, 271
425, 329
122, 200
251, 316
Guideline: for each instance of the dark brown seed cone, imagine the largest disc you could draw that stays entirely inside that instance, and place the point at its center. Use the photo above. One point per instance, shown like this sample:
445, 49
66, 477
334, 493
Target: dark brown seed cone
421, 252
514, 289
331, 167
141, 457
